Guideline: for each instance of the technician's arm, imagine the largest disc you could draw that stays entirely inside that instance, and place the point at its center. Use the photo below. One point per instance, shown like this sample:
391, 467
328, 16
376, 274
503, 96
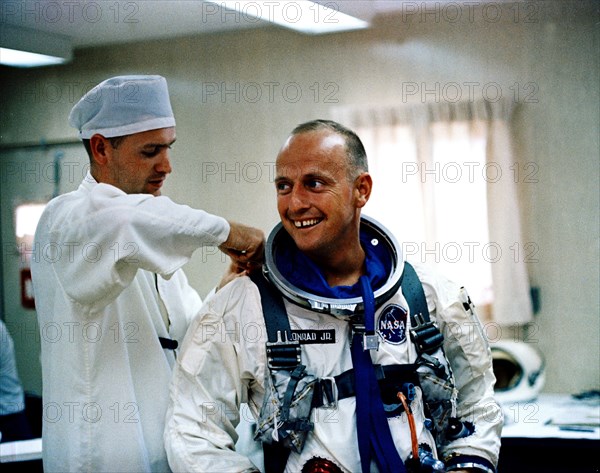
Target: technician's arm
102, 241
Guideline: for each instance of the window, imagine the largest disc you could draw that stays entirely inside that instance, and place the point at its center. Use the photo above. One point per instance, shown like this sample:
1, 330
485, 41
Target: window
26, 220
442, 185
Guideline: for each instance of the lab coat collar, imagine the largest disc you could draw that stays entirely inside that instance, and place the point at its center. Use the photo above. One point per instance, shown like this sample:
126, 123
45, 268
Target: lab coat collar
88, 182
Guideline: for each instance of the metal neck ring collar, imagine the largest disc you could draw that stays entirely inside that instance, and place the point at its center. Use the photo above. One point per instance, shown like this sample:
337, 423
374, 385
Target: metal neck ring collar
336, 307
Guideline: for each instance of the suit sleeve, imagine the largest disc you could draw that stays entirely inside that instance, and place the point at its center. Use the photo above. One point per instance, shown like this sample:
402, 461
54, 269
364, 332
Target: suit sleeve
470, 358
209, 382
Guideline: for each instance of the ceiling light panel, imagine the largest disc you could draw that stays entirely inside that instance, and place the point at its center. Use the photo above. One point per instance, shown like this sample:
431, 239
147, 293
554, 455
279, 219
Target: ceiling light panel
300, 15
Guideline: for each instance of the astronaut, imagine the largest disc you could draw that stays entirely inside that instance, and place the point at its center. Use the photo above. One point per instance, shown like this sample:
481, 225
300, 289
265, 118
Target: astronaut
348, 385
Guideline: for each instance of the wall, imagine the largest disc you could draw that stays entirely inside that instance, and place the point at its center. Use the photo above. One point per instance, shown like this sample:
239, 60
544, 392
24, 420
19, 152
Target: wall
27, 175
237, 95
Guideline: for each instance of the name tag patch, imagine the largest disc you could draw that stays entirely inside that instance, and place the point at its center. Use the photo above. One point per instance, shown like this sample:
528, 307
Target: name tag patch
391, 324
313, 336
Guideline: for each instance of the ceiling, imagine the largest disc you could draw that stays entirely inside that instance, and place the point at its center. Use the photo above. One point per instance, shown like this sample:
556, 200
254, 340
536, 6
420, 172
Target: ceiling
101, 22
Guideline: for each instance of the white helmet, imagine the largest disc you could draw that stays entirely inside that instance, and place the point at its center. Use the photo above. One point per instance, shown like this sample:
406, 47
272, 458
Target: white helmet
519, 370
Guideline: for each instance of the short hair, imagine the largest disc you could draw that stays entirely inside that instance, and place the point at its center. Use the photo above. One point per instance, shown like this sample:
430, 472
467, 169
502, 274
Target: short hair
114, 142
355, 151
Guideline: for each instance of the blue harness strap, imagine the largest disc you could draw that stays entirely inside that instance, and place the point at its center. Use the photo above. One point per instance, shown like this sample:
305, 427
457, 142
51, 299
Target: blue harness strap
373, 430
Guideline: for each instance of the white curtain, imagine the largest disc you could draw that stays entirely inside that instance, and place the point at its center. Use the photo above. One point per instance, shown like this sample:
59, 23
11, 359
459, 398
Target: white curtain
444, 184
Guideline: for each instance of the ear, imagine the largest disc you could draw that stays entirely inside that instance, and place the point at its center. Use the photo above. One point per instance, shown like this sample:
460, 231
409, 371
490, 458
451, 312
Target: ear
363, 185
101, 149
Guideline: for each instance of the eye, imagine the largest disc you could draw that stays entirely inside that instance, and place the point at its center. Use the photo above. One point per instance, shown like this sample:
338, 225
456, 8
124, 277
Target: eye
282, 187
151, 153
314, 184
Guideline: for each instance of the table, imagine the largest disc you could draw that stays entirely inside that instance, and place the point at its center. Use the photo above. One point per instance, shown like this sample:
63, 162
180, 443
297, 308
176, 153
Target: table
554, 433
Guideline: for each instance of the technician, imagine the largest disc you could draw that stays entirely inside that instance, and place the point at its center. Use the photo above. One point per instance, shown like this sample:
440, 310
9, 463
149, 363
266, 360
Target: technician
356, 382
112, 300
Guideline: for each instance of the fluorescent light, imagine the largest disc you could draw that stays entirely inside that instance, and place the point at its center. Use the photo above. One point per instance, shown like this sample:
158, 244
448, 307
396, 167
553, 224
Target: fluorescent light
301, 15
25, 47
15, 58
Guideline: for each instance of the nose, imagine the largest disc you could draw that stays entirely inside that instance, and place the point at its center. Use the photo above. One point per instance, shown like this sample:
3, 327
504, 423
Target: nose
298, 200
164, 163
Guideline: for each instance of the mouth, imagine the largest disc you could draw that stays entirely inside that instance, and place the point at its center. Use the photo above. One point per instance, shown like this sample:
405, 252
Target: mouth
156, 182
307, 223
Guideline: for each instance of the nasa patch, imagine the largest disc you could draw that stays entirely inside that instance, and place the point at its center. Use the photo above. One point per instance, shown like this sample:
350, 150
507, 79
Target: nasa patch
391, 324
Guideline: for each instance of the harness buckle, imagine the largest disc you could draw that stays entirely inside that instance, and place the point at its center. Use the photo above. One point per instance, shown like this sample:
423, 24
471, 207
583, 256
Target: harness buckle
284, 353
425, 335
329, 392
370, 341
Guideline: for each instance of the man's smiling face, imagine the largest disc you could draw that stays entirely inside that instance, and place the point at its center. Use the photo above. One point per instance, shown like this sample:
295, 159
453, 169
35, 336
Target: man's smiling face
316, 200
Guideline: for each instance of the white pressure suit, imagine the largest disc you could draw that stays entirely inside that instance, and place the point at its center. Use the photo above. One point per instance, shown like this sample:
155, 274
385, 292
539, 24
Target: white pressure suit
223, 360
107, 279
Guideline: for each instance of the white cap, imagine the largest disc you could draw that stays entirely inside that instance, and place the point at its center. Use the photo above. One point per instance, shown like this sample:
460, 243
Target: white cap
122, 106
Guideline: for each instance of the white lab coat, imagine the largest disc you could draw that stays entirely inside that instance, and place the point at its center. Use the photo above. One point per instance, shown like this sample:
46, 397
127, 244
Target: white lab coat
223, 361
107, 281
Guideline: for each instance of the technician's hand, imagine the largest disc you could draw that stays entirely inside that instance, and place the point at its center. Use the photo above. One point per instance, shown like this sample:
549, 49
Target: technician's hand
245, 246
233, 271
